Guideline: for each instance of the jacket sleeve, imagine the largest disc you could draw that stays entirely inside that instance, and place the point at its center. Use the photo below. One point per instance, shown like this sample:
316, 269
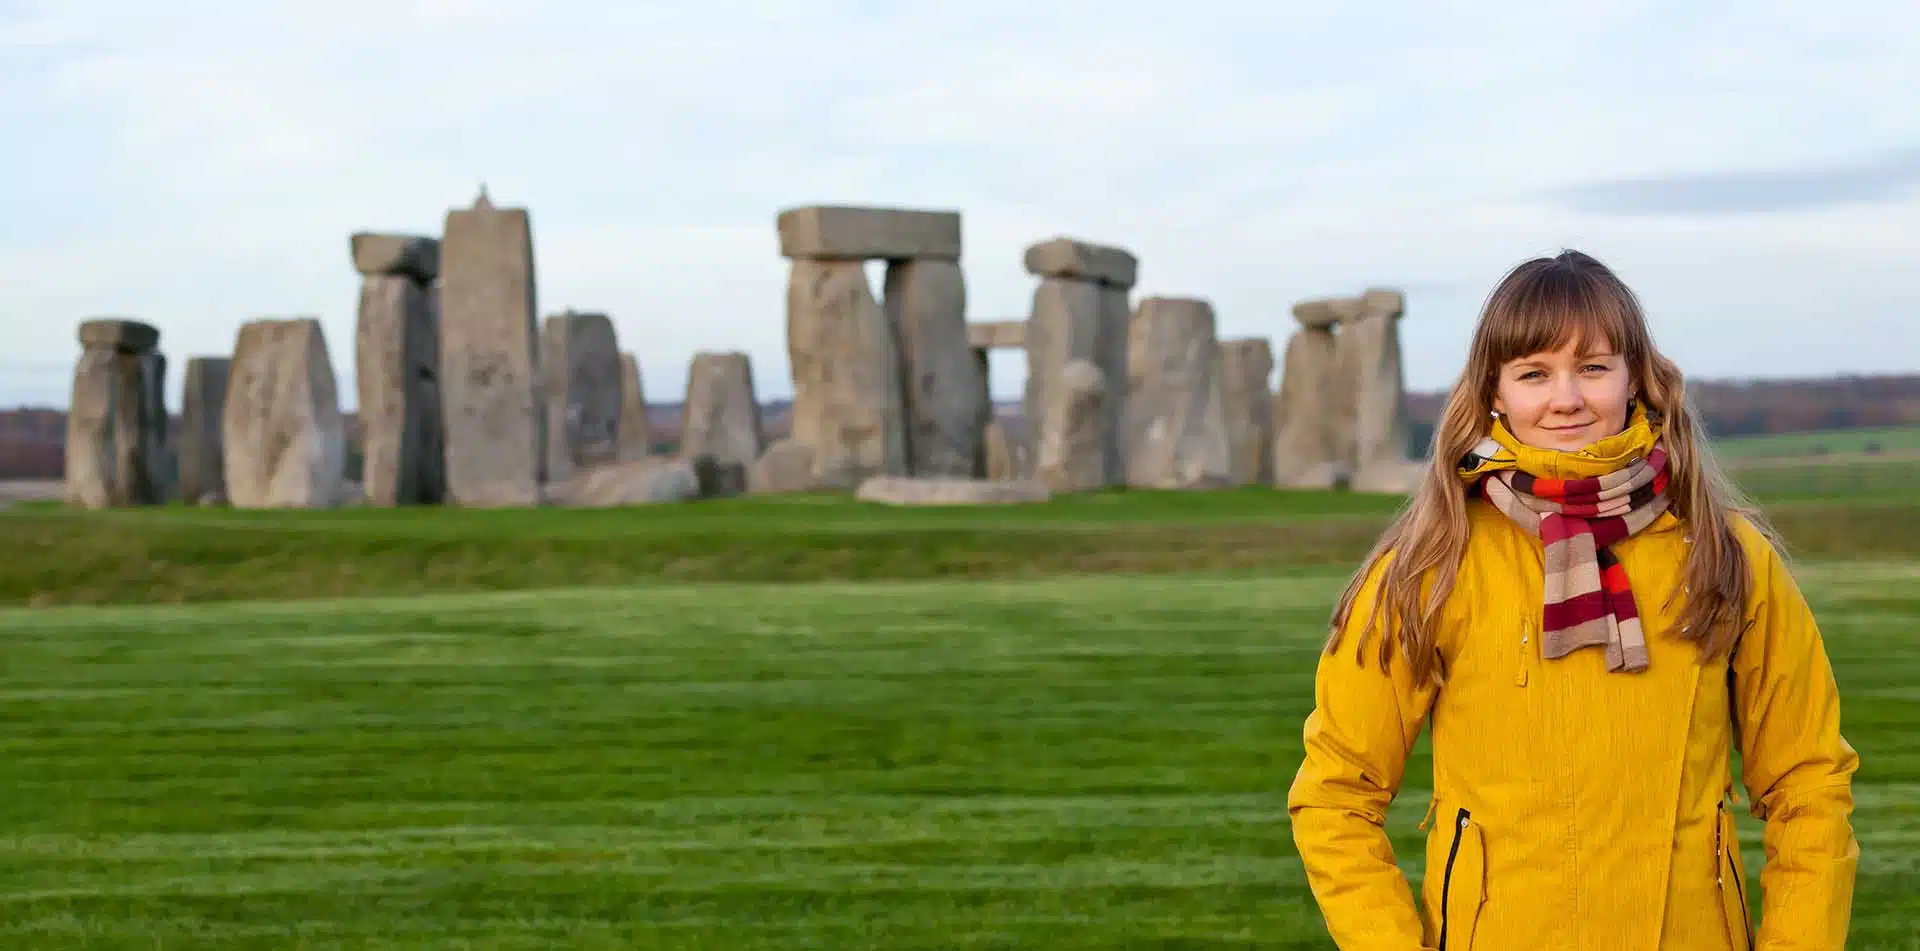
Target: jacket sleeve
1363, 725
1797, 768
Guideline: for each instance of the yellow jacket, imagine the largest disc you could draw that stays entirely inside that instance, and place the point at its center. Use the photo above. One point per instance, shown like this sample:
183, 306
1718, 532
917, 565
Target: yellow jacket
1574, 808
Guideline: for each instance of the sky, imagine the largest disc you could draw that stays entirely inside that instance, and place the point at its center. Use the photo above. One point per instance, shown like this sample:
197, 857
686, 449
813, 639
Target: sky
1751, 168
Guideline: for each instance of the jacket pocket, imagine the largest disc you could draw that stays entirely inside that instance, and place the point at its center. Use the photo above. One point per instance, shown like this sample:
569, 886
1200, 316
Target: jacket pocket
1731, 875
1462, 885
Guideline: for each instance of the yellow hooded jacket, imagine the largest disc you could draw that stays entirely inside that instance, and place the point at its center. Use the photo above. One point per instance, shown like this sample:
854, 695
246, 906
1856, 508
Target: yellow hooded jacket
1574, 808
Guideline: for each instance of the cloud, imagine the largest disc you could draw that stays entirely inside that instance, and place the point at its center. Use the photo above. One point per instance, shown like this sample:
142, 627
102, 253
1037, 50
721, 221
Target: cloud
1877, 179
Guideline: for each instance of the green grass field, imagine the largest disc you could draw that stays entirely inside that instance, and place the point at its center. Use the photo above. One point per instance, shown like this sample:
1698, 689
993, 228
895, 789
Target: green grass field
1065, 726
1891, 439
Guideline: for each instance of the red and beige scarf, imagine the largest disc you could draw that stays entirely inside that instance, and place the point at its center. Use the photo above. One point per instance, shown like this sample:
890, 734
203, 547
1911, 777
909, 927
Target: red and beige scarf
1589, 602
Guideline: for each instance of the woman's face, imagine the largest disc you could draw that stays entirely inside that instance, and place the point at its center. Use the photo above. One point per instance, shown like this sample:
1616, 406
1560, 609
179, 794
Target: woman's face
1565, 399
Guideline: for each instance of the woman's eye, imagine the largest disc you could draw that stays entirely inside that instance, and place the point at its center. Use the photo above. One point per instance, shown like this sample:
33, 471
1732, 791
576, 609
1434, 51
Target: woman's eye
1597, 368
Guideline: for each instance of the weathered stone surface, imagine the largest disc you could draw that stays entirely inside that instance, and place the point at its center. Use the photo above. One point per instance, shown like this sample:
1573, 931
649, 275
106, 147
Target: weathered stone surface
116, 444
721, 416
202, 406
941, 386
579, 391
396, 354
718, 479
1305, 453
414, 256
1390, 478
1245, 368
114, 333
911, 490
494, 428
1065, 327
636, 435
1006, 458
997, 334
1080, 260
1368, 380
1328, 311
96, 411
160, 470
847, 403
639, 482
282, 431
1071, 454
1176, 420
786, 466
849, 233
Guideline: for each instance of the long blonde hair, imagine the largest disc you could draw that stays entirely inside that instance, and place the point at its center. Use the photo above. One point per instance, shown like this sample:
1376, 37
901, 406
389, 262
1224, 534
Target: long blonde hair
1540, 305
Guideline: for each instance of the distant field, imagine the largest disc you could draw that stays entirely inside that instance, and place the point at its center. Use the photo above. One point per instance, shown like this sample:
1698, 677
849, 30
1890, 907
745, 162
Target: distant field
1833, 441
1062, 764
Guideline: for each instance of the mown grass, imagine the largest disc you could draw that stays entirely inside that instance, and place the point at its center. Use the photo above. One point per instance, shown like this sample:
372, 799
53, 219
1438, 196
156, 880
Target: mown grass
1064, 763
179, 554
1888, 439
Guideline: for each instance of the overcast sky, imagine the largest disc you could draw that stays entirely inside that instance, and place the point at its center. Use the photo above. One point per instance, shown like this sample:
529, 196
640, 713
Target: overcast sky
1752, 167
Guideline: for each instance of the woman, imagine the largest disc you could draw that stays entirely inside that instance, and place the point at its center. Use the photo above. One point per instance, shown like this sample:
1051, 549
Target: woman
1591, 625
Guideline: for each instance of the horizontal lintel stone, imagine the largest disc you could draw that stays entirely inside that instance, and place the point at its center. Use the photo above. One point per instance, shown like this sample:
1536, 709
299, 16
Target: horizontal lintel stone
845, 232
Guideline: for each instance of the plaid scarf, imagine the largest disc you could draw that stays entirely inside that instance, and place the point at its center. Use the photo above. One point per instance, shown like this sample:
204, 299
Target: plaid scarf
1588, 600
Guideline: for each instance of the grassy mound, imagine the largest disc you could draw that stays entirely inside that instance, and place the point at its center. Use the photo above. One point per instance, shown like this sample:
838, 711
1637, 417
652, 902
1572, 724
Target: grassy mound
188, 554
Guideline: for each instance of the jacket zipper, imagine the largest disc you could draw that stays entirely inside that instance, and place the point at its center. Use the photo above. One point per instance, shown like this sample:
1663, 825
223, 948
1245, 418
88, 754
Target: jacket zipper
1741, 891
1725, 849
1446, 884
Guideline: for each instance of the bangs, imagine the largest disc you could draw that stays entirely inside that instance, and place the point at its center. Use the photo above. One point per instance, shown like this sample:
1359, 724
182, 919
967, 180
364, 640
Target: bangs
1547, 307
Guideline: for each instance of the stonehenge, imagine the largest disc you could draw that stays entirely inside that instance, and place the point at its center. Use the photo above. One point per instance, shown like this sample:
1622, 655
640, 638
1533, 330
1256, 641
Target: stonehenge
1176, 412
721, 415
1080, 312
1245, 366
1341, 413
202, 463
580, 392
466, 399
880, 390
494, 429
117, 420
397, 369
636, 437
281, 431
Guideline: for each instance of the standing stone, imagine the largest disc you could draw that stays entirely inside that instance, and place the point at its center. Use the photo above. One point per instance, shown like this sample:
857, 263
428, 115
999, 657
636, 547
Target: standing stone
396, 357
1176, 421
94, 411
1065, 327
721, 417
489, 368
202, 405
159, 469
282, 431
1245, 366
786, 466
1080, 312
1005, 458
1304, 439
636, 437
580, 390
943, 388
847, 404
1367, 361
1070, 455
117, 419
